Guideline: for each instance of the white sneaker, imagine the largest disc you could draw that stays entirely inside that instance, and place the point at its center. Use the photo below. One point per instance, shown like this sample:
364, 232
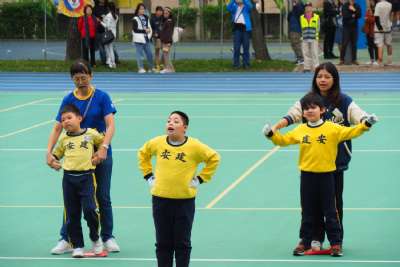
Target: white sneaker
375, 63
97, 246
61, 248
316, 245
141, 70
77, 253
165, 71
111, 245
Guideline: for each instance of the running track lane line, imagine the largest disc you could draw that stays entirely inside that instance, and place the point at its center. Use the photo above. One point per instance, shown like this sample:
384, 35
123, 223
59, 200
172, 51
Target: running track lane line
242, 177
27, 129
55, 258
26, 104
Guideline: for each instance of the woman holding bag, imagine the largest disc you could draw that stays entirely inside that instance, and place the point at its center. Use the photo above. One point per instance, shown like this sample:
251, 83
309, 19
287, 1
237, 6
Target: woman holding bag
110, 24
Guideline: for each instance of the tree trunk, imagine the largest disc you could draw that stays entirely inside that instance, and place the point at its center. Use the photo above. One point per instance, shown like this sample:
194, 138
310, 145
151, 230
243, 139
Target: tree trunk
257, 36
73, 50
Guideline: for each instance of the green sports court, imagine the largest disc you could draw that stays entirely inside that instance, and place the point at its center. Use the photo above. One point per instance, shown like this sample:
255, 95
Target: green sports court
247, 216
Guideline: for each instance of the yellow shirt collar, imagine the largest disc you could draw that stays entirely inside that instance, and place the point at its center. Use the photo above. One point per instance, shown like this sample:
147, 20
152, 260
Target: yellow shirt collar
86, 97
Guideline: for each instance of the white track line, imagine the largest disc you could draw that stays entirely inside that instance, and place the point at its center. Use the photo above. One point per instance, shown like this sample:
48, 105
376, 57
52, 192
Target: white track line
26, 104
26, 129
255, 98
219, 150
219, 104
242, 177
221, 117
316, 261
202, 208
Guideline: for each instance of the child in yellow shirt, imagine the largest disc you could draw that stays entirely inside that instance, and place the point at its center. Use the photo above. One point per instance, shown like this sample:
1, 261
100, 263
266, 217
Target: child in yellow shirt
76, 146
174, 182
318, 142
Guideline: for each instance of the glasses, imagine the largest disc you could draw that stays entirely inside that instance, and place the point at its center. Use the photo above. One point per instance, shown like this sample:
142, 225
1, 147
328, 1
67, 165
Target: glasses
81, 78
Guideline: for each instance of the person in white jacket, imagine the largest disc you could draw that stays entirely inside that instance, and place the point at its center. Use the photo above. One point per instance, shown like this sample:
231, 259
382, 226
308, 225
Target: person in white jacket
110, 23
142, 32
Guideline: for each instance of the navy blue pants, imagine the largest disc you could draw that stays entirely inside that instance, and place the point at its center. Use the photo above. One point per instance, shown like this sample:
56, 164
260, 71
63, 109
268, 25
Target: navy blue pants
103, 179
319, 224
173, 220
80, 195
241, 38
317, 192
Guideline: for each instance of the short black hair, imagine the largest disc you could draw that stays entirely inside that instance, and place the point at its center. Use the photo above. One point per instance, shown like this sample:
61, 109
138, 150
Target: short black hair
159, 8
310, 100
80, 66
183, 116
71, 108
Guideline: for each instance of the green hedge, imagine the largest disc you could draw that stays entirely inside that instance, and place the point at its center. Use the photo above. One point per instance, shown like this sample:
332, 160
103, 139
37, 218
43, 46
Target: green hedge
187, 16
25, 19
212, 21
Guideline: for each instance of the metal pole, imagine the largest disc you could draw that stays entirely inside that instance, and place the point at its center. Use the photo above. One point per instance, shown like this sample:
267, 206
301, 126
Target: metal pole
222, 31
280, 31
45, 30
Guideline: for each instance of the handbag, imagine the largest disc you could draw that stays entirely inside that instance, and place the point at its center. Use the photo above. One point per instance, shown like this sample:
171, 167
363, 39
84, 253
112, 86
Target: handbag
176, 35
107, 37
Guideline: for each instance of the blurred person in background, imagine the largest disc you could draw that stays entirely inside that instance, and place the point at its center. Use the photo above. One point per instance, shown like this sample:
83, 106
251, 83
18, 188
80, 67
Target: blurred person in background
156, 24
166, 34
295, 30
240, 12
141, 33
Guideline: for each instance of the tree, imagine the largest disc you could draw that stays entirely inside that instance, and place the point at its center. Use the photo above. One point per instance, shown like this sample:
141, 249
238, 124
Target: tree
73, 49
257, 35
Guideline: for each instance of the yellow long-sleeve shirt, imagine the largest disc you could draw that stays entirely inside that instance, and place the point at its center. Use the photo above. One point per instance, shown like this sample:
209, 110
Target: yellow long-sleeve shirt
78, 150
176, 166
318, 145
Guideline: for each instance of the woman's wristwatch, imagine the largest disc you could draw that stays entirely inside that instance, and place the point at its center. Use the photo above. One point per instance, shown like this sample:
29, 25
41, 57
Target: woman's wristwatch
105, 146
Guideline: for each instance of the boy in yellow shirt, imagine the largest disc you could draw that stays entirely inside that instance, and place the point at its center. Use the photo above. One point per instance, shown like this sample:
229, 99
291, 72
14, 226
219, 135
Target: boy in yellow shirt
318, 142
174, 184
76, 146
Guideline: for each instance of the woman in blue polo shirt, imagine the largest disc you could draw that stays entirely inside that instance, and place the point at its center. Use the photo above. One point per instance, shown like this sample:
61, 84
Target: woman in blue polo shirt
98, 112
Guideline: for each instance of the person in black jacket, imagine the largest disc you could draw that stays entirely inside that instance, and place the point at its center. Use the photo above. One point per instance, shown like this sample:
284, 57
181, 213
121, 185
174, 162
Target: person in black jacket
166, 39
329, 28
156, 24
295, 30
351, 13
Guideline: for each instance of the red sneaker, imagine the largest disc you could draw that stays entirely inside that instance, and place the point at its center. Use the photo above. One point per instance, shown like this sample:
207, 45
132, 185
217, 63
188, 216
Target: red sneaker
300, 249
336, 251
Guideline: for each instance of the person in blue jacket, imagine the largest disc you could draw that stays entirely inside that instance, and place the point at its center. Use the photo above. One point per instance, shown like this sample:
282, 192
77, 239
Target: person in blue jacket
241, 26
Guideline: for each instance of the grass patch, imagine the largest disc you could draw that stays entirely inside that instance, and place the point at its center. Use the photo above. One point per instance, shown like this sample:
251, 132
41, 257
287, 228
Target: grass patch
181, 65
